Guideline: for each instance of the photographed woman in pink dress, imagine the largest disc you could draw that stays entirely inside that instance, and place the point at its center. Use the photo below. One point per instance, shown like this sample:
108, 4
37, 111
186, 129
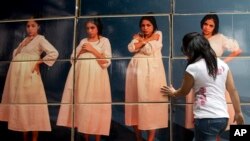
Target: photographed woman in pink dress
91, 90
24, 103
219, 43
144, 77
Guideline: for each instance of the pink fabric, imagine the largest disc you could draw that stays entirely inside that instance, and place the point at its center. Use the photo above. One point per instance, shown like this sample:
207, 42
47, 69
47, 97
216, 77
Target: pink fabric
92, 95
144, 77
24, 103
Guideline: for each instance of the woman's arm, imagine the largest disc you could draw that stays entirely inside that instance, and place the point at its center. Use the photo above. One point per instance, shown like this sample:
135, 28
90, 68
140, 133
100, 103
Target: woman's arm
50, 57
235, 98
232, 46
139, 41
231, 56
101, 57
37, 67
88, 48
155, 37
51, 53
187, 84
153, 44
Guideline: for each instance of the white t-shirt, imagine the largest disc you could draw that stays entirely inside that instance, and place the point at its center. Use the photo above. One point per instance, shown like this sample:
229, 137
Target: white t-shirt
209, 93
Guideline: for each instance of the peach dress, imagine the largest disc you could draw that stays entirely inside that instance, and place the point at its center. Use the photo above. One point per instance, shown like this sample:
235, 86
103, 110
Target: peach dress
144, 78
91, 92
220, 44
24, 103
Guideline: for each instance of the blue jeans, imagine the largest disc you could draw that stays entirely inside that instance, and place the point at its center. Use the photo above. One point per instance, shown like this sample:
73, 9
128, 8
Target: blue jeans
208, 128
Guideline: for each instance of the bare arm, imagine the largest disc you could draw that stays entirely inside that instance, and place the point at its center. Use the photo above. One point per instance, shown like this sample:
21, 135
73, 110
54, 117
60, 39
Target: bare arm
100, 57
187, 84
231, 56
235, 98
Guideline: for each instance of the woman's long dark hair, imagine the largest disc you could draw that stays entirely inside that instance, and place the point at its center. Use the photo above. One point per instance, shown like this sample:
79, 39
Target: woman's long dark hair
195, 47
97, 22
213, 17
151, 19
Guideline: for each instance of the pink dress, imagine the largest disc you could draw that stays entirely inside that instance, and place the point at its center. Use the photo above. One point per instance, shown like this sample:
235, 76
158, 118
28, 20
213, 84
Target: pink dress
220, 44
145, 106
24, 103
91, 92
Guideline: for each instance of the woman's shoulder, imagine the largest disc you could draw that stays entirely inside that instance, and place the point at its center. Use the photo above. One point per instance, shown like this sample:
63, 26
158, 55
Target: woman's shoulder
219, 35
158, 32
196, 66
83, 40
198, 63
39, 36
104, 38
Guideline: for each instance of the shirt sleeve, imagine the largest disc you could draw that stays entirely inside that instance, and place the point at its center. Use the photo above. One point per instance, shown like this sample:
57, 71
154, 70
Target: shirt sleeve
107, 52
154, 45
51, 53
131, 46
76, 51
192, 70
229, 44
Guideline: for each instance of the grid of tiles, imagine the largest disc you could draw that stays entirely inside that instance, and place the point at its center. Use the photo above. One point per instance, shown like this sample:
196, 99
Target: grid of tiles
62, 23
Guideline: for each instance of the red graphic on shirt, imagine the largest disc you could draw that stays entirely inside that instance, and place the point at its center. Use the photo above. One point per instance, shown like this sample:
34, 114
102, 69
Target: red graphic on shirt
200, 98
220, 71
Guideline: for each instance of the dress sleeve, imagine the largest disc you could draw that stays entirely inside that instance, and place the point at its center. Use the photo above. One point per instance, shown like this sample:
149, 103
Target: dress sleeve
107, 52
131, 46
229, 44
51, 52
153, 46
77, 50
